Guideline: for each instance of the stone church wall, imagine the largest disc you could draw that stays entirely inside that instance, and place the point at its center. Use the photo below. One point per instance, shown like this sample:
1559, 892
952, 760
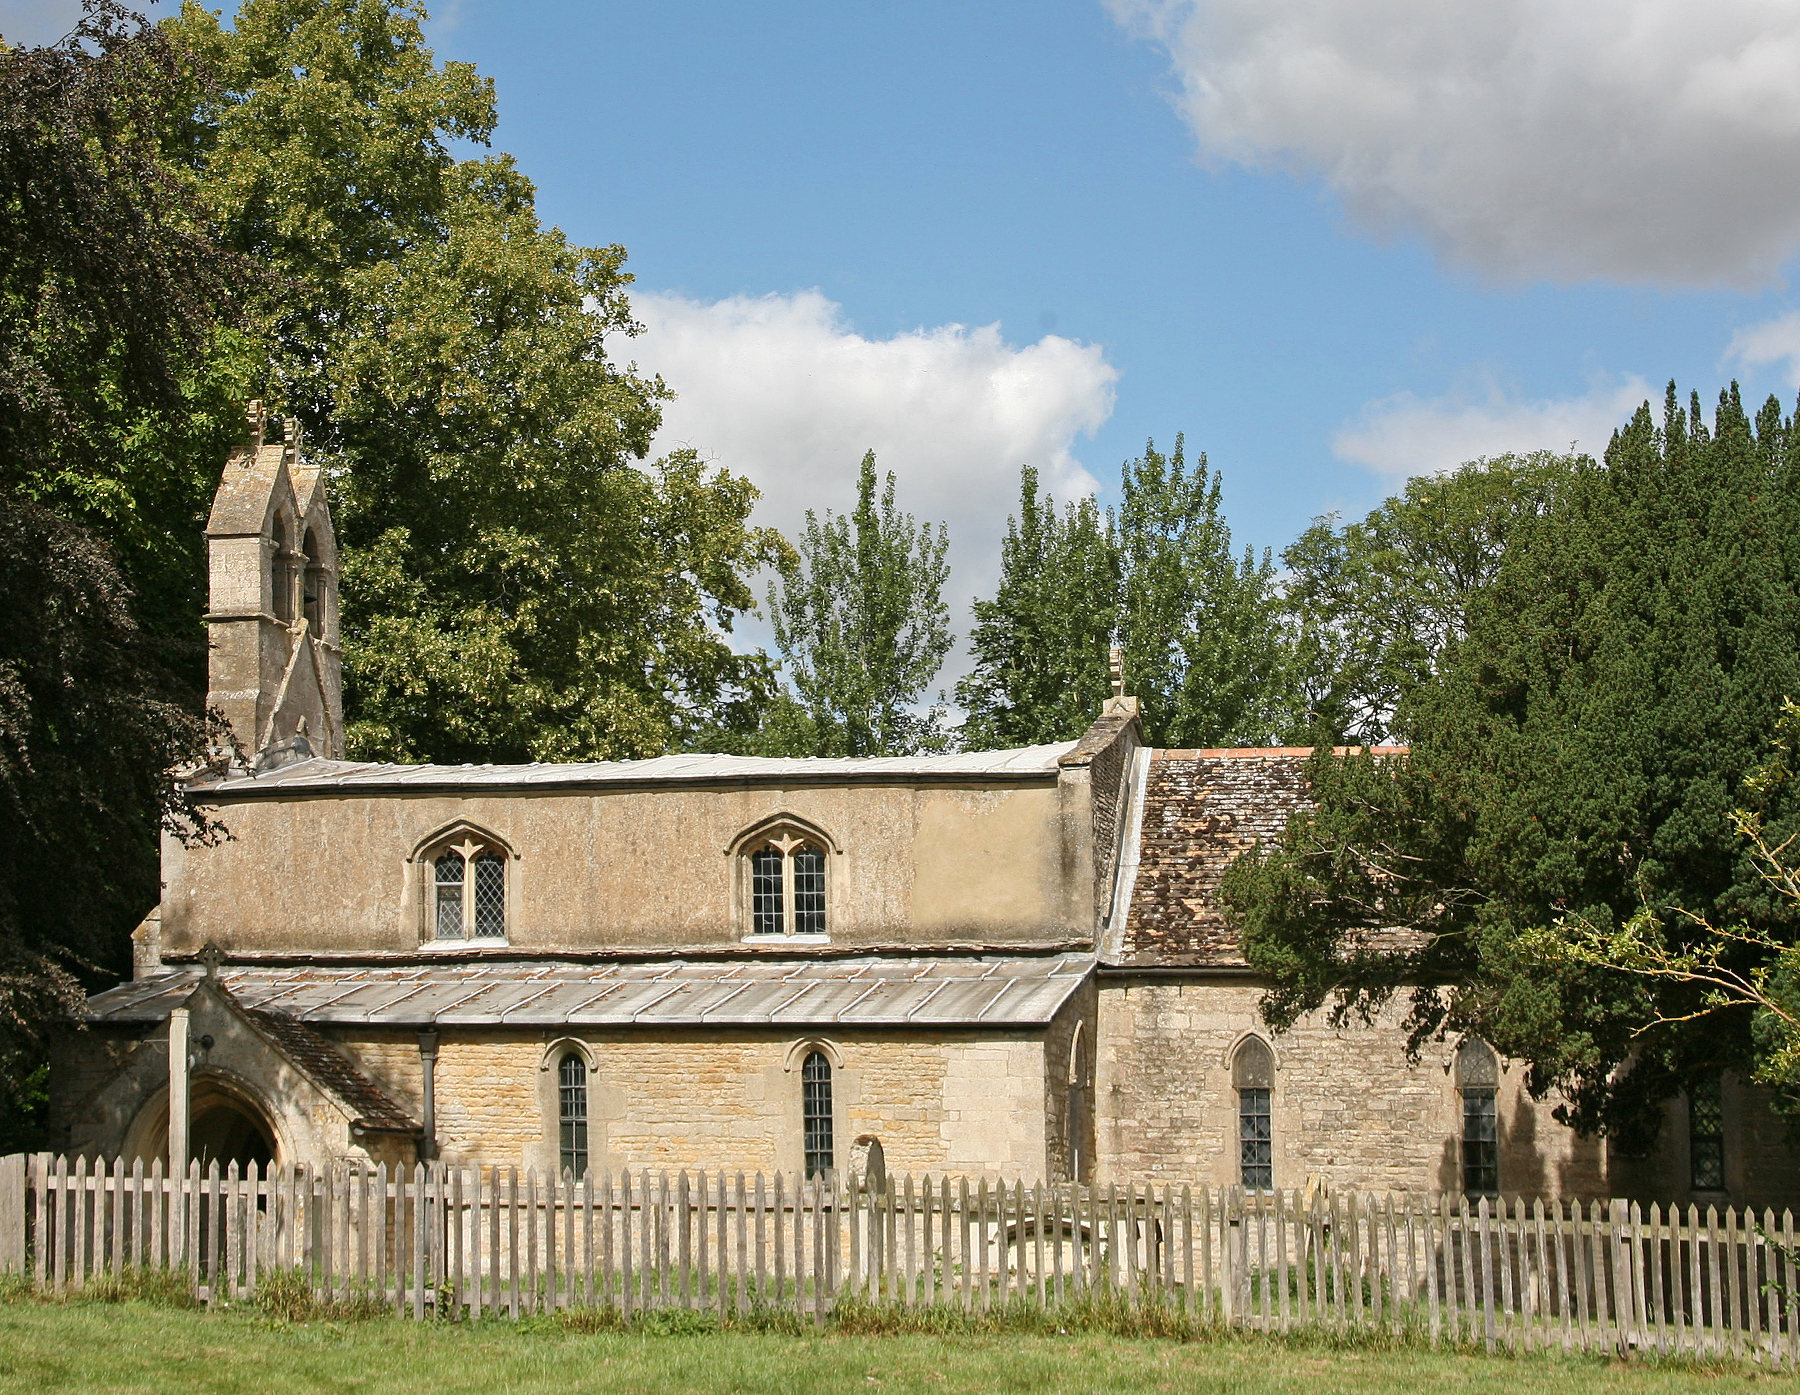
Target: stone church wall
1347, 1107
968, 1103
641, 868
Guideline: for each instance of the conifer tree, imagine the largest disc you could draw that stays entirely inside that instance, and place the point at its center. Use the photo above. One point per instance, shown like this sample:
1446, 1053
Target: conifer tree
859, 616
1578, 755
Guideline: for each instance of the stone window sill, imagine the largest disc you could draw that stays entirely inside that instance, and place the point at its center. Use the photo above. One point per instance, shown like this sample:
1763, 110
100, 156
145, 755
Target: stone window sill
485, 942
787, 939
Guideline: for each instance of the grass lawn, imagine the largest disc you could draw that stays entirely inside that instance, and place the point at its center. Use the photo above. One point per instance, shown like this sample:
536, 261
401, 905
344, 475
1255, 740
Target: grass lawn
104, 1347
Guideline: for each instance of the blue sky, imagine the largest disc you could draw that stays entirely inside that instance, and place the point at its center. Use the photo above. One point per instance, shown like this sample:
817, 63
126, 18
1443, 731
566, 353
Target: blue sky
1335, 243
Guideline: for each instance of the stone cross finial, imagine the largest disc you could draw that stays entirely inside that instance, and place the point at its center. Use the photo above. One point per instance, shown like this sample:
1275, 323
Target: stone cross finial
291, 426
212, 956
1117, 663
259, 421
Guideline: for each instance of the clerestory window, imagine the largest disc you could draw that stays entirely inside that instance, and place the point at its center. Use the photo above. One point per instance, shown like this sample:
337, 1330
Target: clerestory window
468, 892
787, 886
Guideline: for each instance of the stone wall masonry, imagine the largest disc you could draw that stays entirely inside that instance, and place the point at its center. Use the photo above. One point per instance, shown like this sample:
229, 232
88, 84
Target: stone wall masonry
1348, 1108
965, 1103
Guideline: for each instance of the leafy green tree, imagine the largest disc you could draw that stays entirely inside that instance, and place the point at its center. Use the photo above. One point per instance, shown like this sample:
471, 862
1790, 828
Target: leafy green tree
1576, 757
1040, 645
859, 616
1206, 647
109, 290
1376, 602
515, 586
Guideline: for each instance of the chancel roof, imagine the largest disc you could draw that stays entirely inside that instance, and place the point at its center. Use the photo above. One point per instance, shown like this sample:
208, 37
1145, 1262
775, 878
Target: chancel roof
1024, 763
876, 992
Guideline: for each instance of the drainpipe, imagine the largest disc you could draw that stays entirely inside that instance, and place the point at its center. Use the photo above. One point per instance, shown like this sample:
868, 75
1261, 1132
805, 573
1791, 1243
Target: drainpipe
428, 1049
178, 1092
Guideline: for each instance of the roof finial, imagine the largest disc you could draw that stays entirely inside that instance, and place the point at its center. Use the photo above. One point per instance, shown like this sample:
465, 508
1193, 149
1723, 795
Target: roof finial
1117, 662
259, 420
212, 956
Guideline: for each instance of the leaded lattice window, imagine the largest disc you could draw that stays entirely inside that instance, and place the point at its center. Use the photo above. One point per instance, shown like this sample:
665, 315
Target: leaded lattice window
467, 892
1706, 1136
572, 1113
1478, 1082
815, 1102
448, 891
490, 896
787, 887
1253, 1073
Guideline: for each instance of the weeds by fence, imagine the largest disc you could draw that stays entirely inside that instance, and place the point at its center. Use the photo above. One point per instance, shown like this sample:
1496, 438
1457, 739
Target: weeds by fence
463, 1243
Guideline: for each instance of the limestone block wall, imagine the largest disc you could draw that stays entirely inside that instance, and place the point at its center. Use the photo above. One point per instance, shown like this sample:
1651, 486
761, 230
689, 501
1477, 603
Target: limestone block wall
965, 1102
1347, 1106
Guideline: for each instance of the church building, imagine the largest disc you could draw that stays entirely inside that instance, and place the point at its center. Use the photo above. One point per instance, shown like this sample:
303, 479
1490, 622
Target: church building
1004, 963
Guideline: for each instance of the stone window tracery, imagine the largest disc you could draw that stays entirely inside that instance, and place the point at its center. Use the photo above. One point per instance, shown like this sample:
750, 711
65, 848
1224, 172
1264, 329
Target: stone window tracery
787, 885
467, 896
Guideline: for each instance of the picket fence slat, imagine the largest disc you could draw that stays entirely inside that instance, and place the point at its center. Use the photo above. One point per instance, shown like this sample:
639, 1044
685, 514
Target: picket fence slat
1510, 1272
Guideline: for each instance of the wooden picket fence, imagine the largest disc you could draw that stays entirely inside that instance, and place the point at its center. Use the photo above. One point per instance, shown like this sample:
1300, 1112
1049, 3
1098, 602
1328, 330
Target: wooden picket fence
464, 1242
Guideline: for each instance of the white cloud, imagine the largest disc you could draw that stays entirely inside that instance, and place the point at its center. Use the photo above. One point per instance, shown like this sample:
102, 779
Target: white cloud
1632, 140
1774, 341
1406, 435
783, 390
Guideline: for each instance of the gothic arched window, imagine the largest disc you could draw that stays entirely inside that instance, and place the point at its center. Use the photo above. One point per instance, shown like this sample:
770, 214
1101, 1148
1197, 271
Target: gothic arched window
468, 890
787, 884
572, 1113
1253, 1076
1478, 1085
815, 1113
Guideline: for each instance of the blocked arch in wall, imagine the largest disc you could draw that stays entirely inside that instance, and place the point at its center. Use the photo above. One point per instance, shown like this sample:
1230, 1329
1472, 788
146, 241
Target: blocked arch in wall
421, 879
782, 826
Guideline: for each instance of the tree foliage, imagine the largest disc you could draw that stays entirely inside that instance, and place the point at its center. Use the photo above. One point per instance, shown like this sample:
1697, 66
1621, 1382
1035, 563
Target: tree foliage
1375, 602
515, 587
1577, 755
859, 617
109, 291
1207, 648
1040, 645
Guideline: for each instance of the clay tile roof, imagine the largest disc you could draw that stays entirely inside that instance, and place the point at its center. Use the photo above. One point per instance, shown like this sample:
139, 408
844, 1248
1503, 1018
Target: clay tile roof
1201, 810
329, 1068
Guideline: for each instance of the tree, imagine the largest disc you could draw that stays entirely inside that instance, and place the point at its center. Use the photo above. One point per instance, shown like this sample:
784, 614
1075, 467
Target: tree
1040, 645
515, 587
859, 617
1376, 602
109, 289
1576, 756
1206, 649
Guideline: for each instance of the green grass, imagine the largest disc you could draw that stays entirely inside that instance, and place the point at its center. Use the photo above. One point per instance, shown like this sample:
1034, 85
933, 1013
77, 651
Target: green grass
130, 1345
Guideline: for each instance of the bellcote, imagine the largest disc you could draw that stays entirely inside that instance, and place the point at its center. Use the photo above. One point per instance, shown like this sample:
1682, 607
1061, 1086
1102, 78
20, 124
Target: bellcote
274, 669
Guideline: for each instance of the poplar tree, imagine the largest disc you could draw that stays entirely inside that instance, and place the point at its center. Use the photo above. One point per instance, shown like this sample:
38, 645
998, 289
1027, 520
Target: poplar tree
859, 617
1040, 645
1206, 645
